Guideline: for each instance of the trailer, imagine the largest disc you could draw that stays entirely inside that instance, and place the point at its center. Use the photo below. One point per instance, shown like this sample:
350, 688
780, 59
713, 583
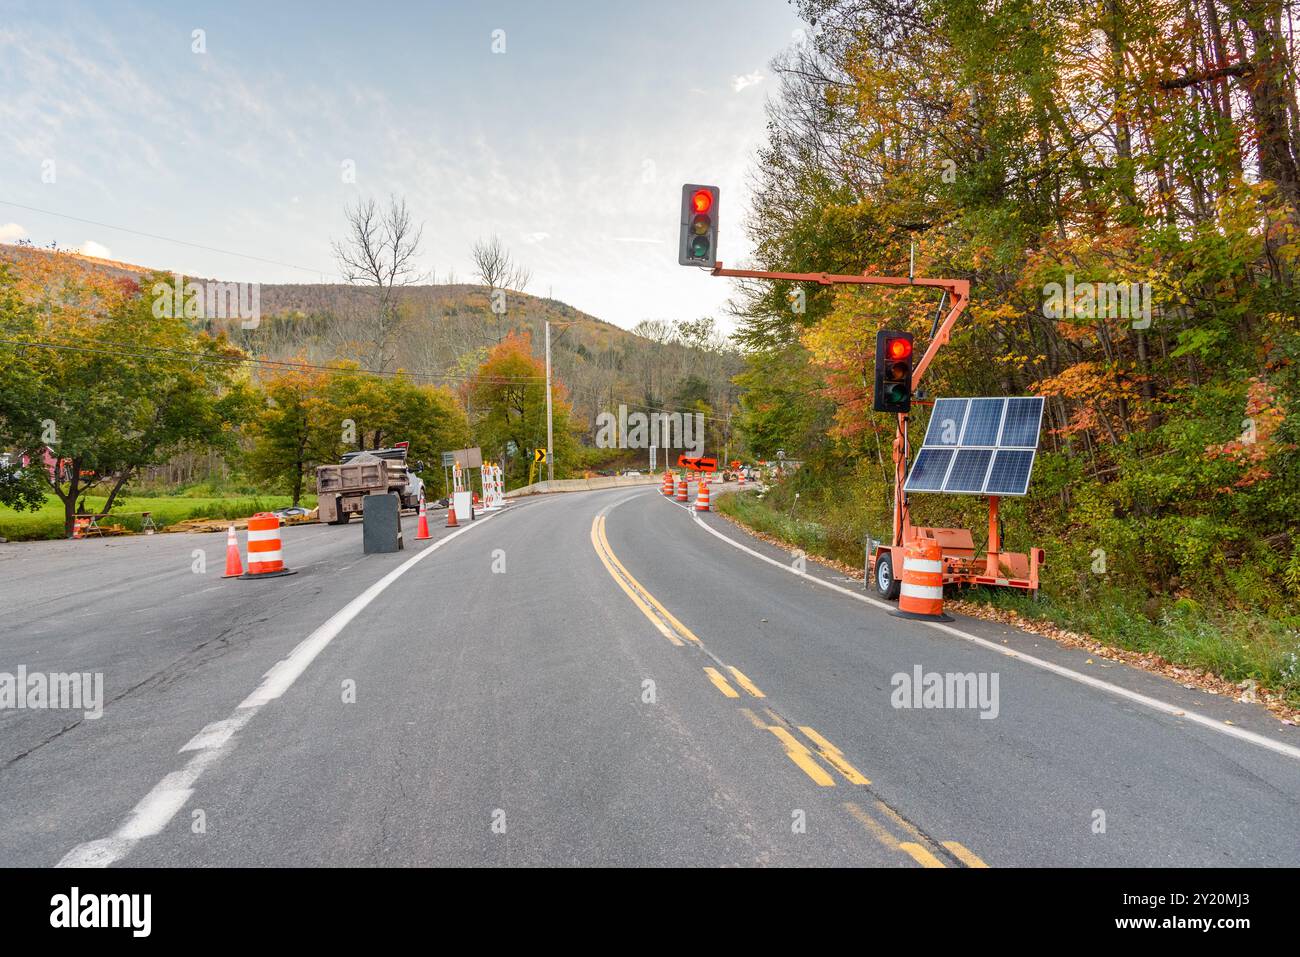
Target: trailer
963, 565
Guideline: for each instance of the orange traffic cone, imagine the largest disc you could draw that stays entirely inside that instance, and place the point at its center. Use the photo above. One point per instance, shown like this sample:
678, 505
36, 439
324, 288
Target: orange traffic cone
234, 567
702, 498
451, 512
422, 530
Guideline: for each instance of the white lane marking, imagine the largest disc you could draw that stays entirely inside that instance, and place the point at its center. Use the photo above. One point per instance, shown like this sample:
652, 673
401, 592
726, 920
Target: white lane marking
217, 733
1155, 704
214, 741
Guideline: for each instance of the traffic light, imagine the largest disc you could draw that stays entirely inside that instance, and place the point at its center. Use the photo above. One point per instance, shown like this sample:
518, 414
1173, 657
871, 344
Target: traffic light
893, 372
699, 238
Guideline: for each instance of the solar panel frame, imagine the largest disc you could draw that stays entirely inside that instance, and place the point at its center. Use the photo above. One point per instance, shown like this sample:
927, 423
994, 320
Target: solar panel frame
1000, 434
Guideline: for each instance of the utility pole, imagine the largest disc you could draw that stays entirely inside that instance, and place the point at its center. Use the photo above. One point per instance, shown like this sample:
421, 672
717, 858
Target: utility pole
550, 438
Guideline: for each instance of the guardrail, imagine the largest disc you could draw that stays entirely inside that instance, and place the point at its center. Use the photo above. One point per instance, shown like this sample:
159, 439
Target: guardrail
584, 485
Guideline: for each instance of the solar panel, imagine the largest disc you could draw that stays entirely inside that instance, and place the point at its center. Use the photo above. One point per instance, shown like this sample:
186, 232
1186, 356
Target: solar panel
946, 422
983, 421
969, 470
928, 470
1010, 472
1023, 420
982, 446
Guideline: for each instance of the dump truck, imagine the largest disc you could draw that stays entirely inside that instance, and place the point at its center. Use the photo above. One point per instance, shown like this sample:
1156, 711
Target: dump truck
341, 489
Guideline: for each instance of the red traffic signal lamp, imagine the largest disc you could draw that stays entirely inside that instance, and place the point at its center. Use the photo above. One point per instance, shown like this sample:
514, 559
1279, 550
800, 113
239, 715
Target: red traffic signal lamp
698, 242
893, 385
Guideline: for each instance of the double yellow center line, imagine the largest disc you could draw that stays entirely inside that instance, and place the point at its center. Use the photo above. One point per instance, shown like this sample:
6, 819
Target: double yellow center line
659, 616
803, 756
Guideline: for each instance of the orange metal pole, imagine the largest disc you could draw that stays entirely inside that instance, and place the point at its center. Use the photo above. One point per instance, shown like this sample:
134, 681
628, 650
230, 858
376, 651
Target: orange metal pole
958, 289
991, 563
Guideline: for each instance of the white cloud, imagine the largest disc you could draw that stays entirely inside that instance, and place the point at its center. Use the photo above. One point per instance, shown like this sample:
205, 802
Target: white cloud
92, 248
739, 83
637, 239
536, 237
11, 233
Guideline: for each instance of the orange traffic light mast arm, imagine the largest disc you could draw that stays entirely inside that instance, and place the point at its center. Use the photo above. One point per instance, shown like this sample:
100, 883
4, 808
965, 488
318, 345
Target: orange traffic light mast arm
958, 289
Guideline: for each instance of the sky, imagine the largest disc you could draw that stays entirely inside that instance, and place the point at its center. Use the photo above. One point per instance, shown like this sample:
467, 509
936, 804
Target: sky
565, 128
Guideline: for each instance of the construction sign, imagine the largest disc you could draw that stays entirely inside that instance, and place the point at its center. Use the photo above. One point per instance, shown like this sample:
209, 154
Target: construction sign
466, 458
697, 464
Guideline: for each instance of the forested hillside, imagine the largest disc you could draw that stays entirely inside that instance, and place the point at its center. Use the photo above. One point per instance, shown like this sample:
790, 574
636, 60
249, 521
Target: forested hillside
1041, 150
445, 331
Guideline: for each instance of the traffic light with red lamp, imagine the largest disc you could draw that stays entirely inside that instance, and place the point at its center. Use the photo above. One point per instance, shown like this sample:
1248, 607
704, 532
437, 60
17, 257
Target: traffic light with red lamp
698, 243
893, 386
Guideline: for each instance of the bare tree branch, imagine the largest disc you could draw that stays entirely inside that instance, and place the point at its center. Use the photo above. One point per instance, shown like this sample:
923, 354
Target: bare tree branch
380, 252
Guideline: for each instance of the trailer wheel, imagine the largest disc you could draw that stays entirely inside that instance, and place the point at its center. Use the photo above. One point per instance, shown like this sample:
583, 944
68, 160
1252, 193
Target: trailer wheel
342, 519
887, 584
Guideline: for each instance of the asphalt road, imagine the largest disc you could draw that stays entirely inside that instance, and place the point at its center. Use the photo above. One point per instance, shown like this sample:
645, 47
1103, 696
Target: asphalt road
588, 679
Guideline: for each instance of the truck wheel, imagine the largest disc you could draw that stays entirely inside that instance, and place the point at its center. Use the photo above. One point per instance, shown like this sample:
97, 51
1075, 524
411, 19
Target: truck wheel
342, 519
887, 584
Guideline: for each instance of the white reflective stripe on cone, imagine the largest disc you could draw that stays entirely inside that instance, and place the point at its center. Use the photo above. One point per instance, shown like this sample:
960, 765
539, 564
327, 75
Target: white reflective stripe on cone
263, 534
921, 565
921, 591
265, 558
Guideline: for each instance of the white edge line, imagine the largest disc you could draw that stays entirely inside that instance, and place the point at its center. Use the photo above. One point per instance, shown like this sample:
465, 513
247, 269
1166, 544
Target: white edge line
1155, 704
214, 741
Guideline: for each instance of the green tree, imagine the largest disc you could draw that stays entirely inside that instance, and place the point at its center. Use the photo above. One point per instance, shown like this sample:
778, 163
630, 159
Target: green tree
294, 431
108, 385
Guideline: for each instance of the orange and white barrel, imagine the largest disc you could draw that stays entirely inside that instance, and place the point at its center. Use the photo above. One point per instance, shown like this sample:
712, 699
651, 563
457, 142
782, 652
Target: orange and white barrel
667, 487
265, 549
920, 593
702, 497
682, 494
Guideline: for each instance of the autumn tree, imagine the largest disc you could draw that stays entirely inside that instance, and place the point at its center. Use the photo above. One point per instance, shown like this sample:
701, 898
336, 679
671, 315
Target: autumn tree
508, 394
1037, 146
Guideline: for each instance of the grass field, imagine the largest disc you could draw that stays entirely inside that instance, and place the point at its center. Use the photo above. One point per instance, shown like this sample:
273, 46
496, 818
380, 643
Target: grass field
47, 522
